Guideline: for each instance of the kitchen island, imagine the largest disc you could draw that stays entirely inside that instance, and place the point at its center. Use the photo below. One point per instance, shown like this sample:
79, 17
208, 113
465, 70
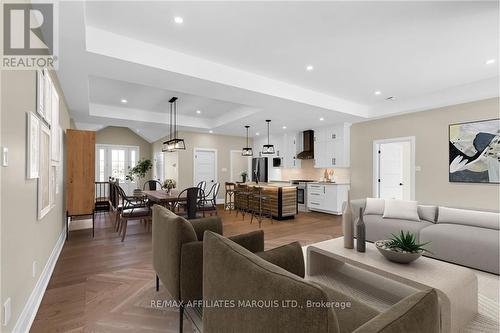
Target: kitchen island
283, 199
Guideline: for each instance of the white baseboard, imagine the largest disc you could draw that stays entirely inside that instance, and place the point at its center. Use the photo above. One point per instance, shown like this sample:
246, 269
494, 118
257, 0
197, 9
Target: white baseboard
30, 309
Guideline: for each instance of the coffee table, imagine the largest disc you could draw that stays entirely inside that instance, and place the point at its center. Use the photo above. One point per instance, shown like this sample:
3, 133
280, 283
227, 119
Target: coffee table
456, 285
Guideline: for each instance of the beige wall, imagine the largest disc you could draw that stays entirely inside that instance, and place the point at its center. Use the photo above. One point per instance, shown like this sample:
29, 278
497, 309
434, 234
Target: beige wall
430, 129
113, 135
24, 239
223, 143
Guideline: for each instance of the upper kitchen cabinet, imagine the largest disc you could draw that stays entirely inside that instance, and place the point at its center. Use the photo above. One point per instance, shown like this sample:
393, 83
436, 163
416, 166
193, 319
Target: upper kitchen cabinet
332, 146
292, 146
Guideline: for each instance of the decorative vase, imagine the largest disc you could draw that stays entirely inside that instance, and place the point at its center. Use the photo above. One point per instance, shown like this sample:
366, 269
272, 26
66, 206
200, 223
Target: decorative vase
169, 191
347, 225
361, 233
244, 178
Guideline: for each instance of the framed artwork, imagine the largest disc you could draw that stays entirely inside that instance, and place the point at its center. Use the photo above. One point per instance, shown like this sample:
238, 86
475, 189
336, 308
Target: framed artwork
44, 175
55, 128
40, 92
32, 145
474, 152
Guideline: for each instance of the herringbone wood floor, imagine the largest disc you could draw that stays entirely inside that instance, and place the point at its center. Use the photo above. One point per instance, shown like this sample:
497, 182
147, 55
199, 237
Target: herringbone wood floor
104, 285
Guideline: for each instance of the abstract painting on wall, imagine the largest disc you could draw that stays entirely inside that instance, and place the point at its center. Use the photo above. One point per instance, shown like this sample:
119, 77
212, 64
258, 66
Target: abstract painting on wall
475, 152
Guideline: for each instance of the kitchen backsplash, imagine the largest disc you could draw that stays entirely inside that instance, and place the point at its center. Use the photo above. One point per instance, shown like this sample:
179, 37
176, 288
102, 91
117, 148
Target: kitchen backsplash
308, 171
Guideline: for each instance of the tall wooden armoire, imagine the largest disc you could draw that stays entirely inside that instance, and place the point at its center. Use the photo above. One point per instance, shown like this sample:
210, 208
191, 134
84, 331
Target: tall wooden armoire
80, 175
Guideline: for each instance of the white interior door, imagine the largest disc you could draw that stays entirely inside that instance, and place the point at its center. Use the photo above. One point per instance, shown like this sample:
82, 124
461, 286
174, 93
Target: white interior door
205, 167
115, 161
391, 170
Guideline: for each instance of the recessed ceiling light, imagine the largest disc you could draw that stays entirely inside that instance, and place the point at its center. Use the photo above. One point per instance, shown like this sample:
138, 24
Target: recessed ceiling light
490, 61
321, 119
284, 127
257, 133
178, 20
309, 67
378, 92
210, 131
124, 101
198, 111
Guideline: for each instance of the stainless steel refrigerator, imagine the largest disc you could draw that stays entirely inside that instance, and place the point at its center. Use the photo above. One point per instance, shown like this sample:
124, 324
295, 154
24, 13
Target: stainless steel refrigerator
259, 169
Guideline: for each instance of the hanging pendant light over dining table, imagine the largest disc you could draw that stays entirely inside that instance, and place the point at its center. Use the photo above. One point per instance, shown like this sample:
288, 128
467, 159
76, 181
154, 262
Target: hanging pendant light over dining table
269, 148
247, 151
174, 143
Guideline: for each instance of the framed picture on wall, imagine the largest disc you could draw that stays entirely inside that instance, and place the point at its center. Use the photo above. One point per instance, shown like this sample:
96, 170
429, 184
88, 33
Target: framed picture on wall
44, 176
32, 145
474, 152
40, 92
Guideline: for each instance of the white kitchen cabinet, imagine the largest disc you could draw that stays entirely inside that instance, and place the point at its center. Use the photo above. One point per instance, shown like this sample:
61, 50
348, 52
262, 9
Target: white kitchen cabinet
292, 146
327, 198
332, 146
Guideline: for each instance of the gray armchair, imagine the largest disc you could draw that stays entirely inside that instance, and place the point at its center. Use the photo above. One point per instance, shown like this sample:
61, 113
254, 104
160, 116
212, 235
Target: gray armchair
230, 272
178, 252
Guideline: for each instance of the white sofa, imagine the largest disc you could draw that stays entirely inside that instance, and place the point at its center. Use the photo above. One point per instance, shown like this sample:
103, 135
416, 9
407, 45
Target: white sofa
465, 237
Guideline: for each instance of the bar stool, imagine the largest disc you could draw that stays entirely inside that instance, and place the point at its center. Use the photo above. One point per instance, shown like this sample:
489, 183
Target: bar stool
260, 205
242, 199
229, 197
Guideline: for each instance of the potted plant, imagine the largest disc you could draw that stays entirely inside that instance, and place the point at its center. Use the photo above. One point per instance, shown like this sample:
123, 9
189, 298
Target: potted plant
244, 175
402, 248
138, 172
168, 185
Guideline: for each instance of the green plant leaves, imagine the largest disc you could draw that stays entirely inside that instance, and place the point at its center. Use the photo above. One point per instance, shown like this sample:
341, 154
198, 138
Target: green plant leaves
406, 242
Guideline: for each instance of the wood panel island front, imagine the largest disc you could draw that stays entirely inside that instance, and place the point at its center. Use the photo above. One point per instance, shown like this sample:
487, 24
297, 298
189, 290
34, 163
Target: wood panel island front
282, 199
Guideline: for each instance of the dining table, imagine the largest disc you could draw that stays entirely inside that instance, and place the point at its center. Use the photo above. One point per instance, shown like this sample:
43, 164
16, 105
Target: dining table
161, 197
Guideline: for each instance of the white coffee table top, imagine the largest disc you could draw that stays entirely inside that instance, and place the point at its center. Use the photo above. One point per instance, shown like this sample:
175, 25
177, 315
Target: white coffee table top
422, 273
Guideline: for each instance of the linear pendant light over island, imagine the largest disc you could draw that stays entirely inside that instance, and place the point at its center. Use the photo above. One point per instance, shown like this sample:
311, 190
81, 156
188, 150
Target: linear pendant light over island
174, 143
269, 148
247, 151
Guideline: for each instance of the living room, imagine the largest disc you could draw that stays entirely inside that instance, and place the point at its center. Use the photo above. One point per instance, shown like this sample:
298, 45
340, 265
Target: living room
250, 166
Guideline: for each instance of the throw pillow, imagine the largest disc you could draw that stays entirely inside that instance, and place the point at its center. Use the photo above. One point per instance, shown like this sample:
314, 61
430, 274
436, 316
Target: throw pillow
374, 206
427, 213
401, 209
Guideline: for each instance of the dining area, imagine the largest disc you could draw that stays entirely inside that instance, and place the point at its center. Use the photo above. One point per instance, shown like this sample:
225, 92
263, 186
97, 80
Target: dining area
190, 203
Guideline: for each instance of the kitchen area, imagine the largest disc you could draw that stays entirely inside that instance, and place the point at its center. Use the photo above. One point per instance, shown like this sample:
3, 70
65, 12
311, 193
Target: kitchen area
315, 162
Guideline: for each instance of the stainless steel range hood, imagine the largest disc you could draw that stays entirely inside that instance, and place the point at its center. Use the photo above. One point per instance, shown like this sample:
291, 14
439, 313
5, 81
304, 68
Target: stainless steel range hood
308, 152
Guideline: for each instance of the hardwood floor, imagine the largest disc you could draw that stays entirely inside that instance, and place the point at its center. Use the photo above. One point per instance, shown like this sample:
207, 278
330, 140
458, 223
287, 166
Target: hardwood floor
104, 285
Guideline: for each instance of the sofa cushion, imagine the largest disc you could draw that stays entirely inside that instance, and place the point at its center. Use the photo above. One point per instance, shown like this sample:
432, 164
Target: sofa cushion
476, 218
374, 206
462, 244
414, 314
289, 257
169, 233
401, 209
427, 212
378, 228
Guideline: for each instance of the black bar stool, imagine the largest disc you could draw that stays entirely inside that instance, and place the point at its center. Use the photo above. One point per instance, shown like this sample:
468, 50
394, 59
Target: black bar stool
242, 199
260, 204
229, 197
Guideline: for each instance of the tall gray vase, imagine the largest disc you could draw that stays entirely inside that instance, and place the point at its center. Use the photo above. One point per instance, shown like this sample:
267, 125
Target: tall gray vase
347, 225
361, 233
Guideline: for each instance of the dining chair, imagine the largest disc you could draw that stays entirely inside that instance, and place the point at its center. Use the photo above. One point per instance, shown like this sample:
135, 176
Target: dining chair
134, 208
209, 202
189, 200
202, 185
152, 185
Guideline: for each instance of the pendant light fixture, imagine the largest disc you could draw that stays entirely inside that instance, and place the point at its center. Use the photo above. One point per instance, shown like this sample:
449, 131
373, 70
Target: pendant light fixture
174, 143
247, 151
269, 148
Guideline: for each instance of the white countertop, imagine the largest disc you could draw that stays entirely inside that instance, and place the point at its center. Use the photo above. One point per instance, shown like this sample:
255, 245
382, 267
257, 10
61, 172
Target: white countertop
330, 183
